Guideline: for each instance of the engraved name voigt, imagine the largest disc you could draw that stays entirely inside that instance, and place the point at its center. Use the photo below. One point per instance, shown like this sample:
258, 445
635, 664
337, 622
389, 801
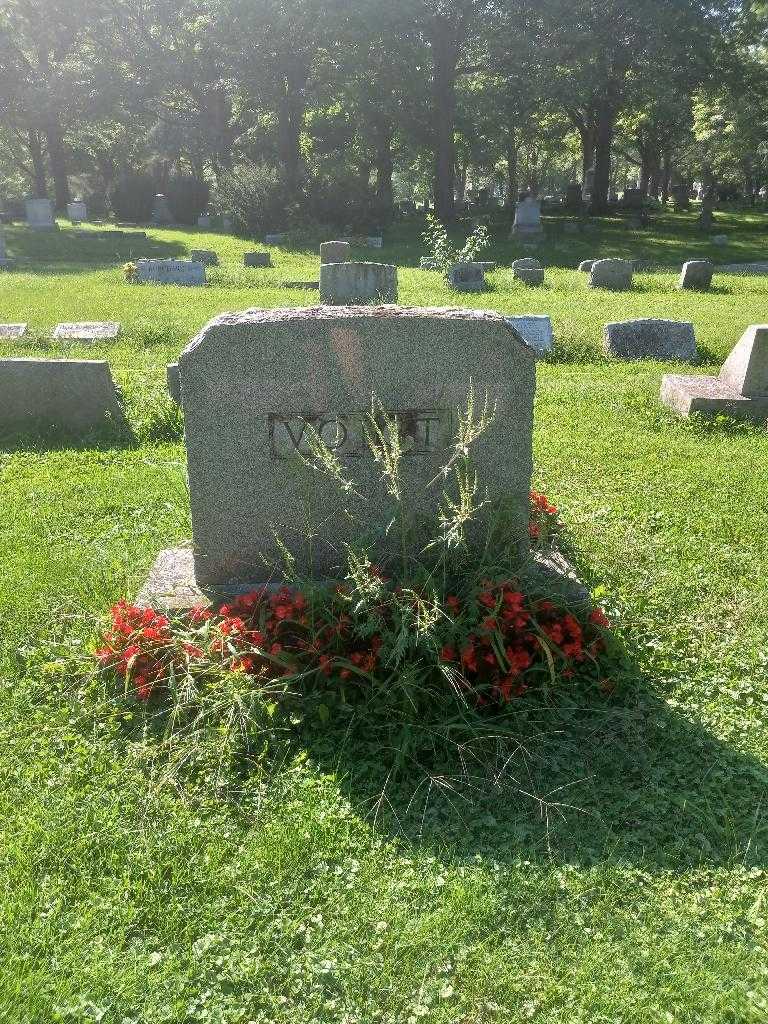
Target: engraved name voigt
422, 432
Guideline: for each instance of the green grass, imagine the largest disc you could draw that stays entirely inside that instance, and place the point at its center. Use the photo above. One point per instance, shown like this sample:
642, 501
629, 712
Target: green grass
620, 873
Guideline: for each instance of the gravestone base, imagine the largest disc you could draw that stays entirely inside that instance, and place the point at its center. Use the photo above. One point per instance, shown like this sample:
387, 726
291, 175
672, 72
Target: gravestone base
710, 396
171, 585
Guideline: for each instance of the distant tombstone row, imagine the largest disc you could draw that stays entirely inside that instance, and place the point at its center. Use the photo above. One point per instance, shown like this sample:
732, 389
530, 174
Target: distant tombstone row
740, 391
69, 396
352, 284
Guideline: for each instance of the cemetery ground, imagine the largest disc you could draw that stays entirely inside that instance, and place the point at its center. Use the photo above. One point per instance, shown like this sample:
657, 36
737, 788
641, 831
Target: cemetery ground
619, 869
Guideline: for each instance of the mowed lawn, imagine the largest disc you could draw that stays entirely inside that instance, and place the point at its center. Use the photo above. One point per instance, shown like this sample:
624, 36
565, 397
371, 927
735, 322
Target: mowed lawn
618, 869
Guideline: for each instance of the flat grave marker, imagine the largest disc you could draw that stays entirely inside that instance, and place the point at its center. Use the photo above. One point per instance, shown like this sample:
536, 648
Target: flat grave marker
87, 331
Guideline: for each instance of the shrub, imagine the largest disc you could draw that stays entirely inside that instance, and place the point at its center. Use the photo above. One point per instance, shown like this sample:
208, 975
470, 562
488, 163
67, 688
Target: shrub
133, 197
447, 255
187, 197
256, 197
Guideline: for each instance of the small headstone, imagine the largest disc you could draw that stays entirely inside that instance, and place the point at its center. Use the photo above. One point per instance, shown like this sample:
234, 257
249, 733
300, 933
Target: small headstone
532, 276
40, 214
335, 252
612, 274
77, 211
741, 390
67, 395
681, 197
528, 218
161, 211
274, 239
586, 265
322, 366
87, 331
650, 339
205, 256
257, 259
307, 286
173, 382
429, 263
351, 284
13, 330
467, 277
375, 242
573, 200
204, 220
183, 272
526, 263
719, 239
696, 275
707, 215
633, 199
536, 330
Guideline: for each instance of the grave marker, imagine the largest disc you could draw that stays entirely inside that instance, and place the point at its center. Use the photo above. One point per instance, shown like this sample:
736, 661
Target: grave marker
696, 275
528, 218
205, 256
77, 211
535, 329
87, 331
13, 330
255, 382
343, 284
650, 339
183, 272
257, 259
40, 214
615, 275
71, 396
740, 391
335, 252
467, 277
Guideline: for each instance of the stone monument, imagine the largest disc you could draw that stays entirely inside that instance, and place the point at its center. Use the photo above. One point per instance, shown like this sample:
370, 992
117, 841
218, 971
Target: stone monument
343, 284
77, 211
615, 275
257, 259
467, 277
40, 215
528, 219
69, 396
205, 256
650, 339
696, 275
255, 386
335, 252
740, 391
185, 272
161, 211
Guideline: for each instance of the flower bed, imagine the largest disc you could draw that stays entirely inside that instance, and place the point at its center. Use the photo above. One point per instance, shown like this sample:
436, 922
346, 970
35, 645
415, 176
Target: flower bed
480, 639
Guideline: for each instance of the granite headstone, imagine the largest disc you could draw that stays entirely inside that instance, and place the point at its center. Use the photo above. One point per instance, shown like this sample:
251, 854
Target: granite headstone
650, 339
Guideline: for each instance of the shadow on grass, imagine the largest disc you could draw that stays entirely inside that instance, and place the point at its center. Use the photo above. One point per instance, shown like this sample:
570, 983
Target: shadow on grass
581, 778
62, 252
581, 781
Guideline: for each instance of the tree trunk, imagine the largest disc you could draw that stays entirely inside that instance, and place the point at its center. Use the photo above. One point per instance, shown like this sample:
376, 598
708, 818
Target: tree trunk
666, 176
444, 59
384, 169
289, 121
603, 145
587, 134
512, 176
57, 155
40, 177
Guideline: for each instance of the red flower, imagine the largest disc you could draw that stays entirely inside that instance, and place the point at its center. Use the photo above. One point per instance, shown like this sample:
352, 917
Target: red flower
487, 599
448, 653
598, 617
452, 602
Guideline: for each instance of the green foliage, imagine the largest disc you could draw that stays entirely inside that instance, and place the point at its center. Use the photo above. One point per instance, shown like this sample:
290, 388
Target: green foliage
256, 196
447, 255
187, 197
132, 198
